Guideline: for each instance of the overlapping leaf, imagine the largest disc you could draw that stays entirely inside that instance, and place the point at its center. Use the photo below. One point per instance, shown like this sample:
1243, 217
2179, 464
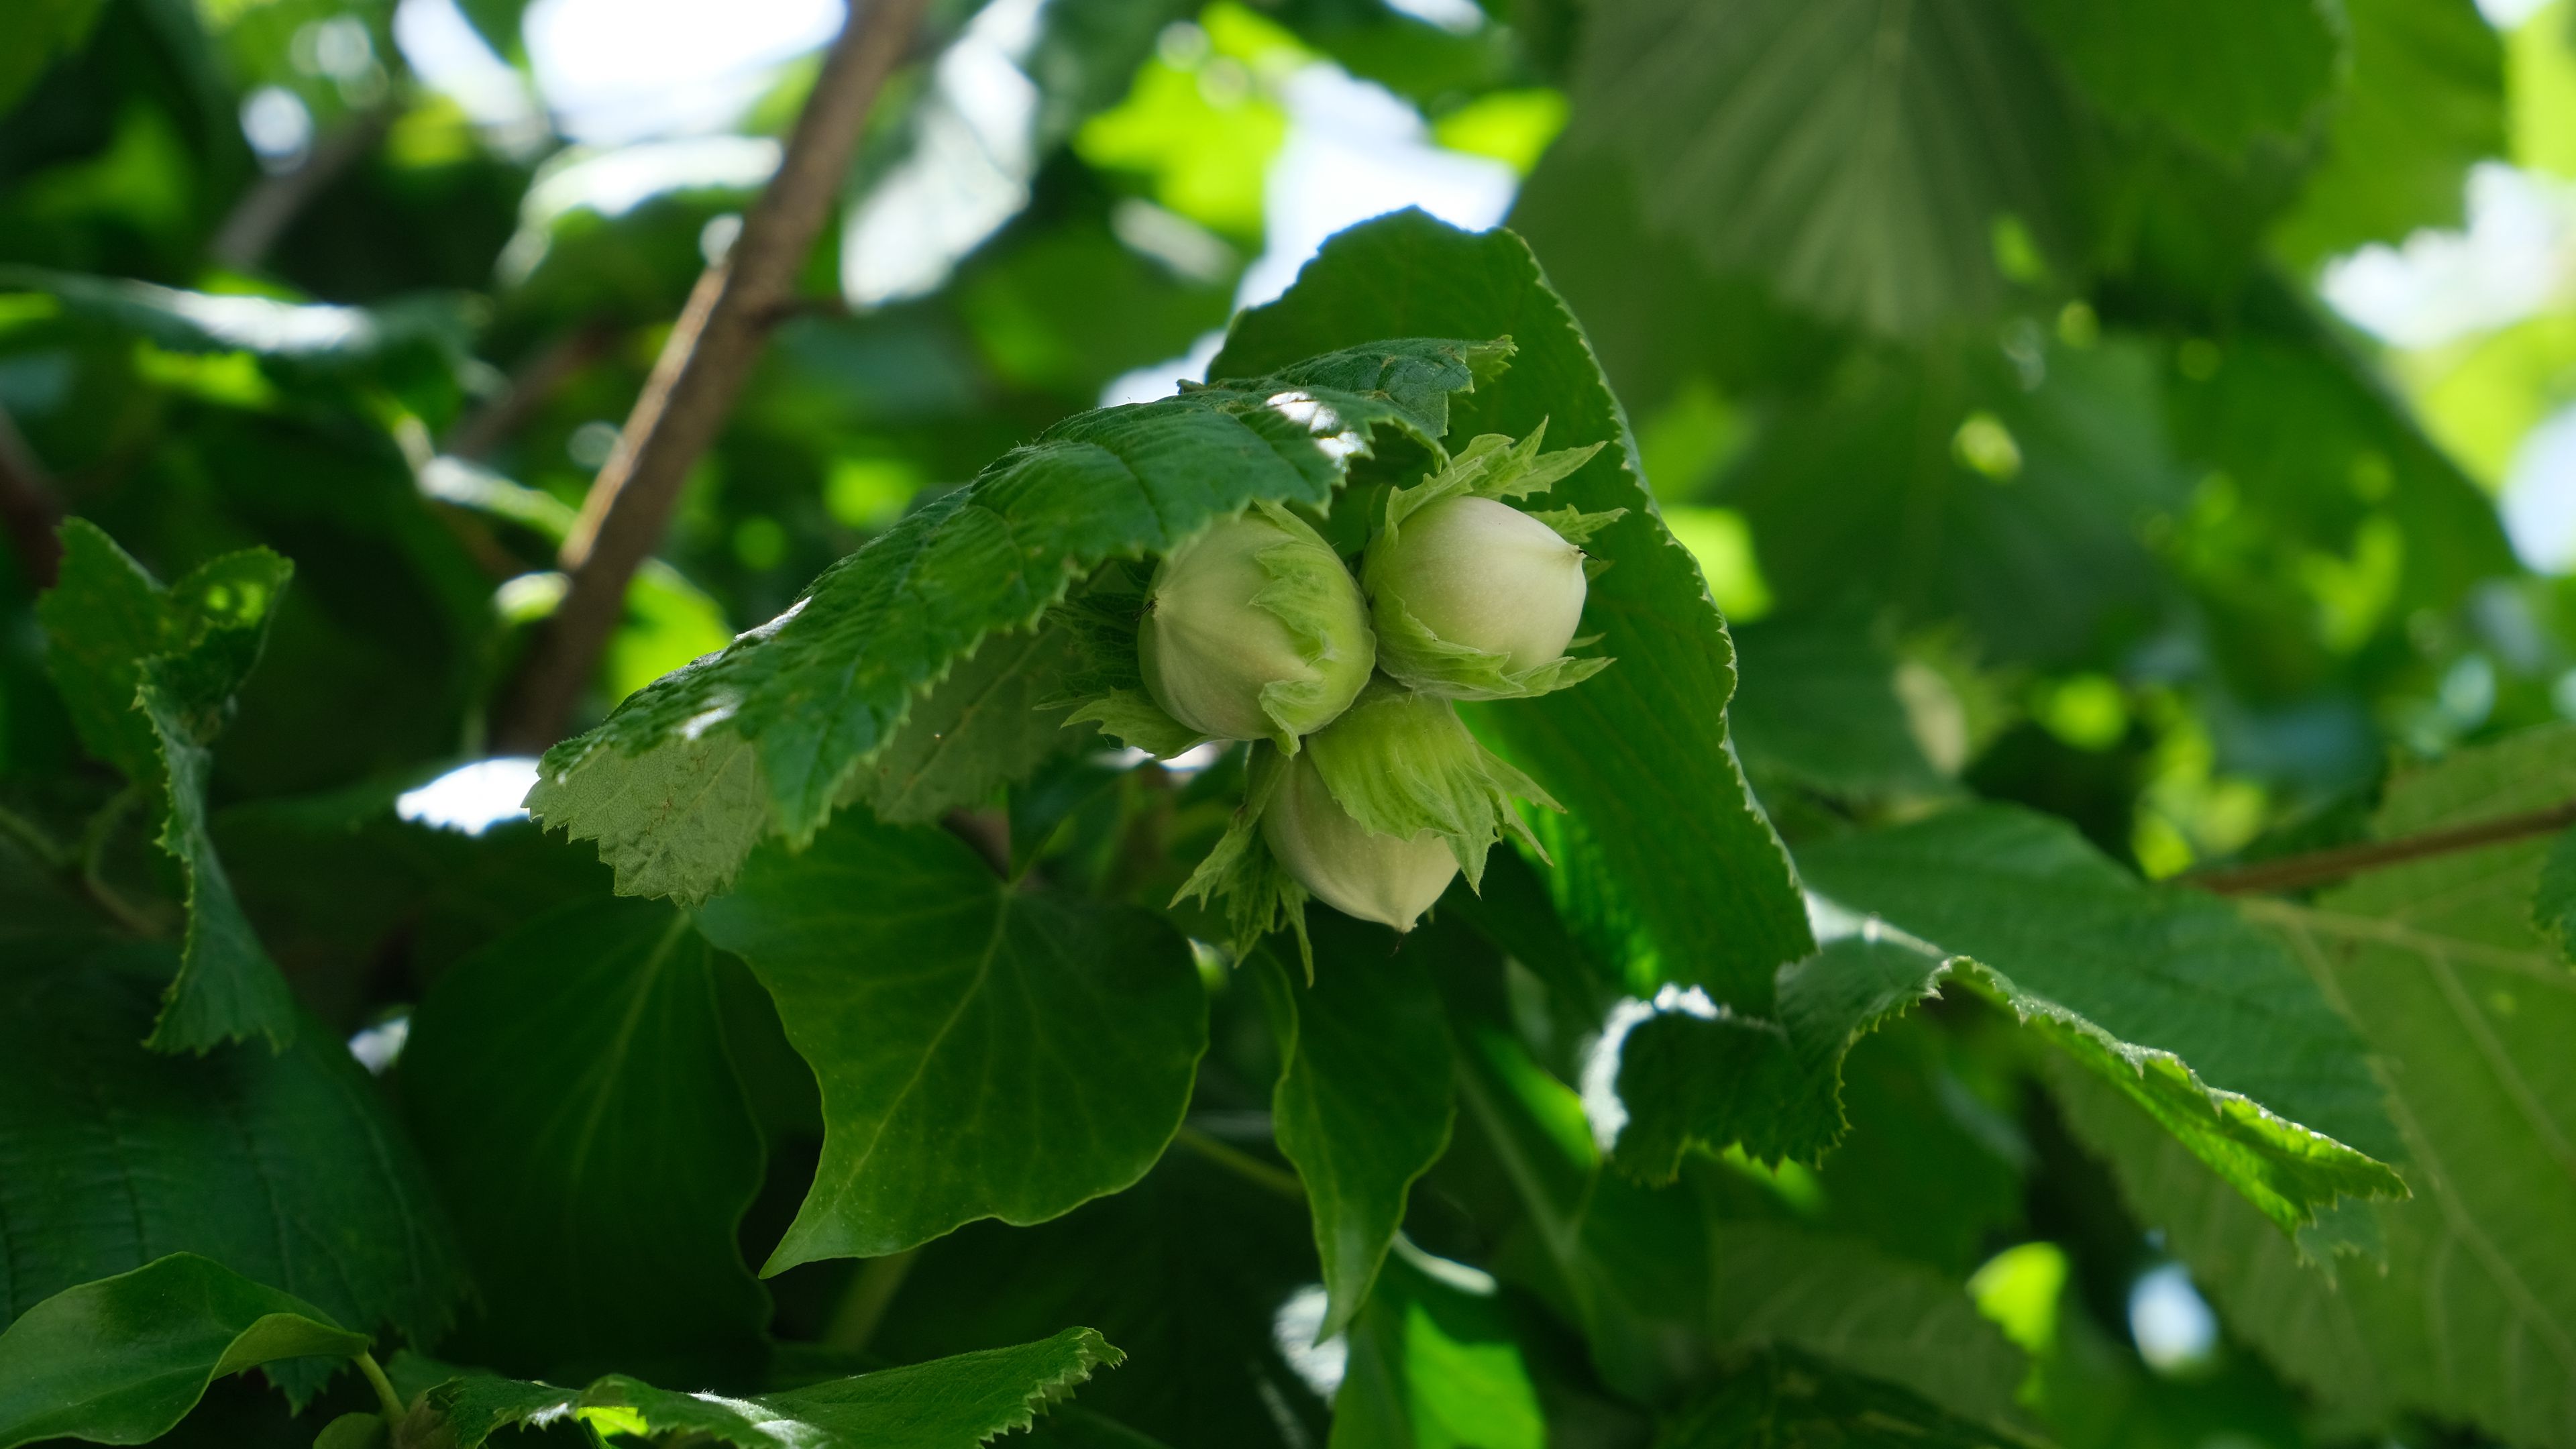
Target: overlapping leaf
570, 1082
1434, 1363
1364, 1097
123, 1359
2221, 72
2474, 1316
949, 1403
983, 1050
286, 1168
1638, 755
2425, 101
769, 735
148, 675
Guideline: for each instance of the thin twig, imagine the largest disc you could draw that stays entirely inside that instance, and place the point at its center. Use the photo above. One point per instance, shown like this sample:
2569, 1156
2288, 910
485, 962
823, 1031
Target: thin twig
31, 508
32, 838
481, 432
385, 1396
1241, 1163
269, 208
95, 839
2297, 872
700, 373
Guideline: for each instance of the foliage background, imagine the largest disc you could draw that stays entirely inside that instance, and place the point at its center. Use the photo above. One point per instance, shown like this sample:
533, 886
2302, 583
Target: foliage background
2121, 439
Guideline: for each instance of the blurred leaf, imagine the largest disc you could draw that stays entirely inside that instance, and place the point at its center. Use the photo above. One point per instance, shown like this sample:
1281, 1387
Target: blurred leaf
2021, 504
1365, 1094
1186, 1269
1434, 1364
287, 1168
316, 337
965, 1400
669, 623
2166, 968
2436, 961
2218, 71
2553, 900
149, 675
570, 1084
1859, 154
2424, 102
984, 1050
123, 1359
1784, 1399
1844, 1302
794, 708
1819, 708
1638, 755
33, 34
1204, 126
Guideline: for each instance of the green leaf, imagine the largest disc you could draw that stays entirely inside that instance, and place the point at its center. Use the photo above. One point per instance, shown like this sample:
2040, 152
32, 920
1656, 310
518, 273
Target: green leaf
977, 730
1777, 1284
1819, 708
1714, 1080
149, 675
1434, 1365
1638, 754
2553, 899
571, 1082
1857, 154
2163, 967
1784, 1399
33, 35
2031, 538
821, 691
2474, 1316
297, 337
984, 1050
2425, 101
1186, 1271
1365, 1095
2221, 72
123, 1359
949, 1403
286, 1168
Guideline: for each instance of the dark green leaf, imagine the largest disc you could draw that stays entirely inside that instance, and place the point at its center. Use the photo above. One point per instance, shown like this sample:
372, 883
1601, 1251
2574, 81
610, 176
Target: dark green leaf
984, 1050
309, 335
768, 736
1858, 154
121, 1360
571, 1083
2553, 900
2425, 101
149, 675
2474, 1315
2031, 536
1784, 1399
1434, 1364
1638, 754
1819, 708
2220, 72
285, 1168
949, 1403
1364, 1098
1186, 1271
33, 35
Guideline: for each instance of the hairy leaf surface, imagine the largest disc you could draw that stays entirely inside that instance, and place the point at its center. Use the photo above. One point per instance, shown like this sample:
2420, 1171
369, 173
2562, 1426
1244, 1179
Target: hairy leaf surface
821, 691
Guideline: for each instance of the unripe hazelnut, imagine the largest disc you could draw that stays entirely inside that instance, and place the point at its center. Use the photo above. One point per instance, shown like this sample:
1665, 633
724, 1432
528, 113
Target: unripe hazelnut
1346, 866
1481, 574
1255, 629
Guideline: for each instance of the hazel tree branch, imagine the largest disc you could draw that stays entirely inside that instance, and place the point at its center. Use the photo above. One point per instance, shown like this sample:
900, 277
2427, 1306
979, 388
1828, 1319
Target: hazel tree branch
2297, 872
699, 374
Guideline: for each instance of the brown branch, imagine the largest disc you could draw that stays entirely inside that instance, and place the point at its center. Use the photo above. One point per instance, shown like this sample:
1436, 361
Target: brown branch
31, 509
269, 208
481, 432
701, 371
2297, 872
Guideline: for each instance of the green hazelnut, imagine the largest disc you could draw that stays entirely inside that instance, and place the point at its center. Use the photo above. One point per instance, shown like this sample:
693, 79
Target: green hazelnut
1255, 630
1345, 865
1479, 575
